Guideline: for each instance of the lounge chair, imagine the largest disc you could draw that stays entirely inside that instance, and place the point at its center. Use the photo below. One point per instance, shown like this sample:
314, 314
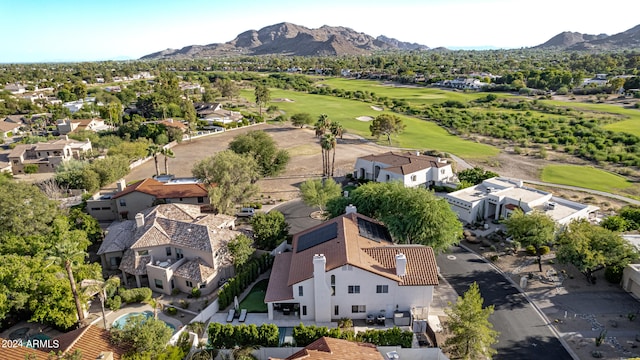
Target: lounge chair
232, 313
243, 315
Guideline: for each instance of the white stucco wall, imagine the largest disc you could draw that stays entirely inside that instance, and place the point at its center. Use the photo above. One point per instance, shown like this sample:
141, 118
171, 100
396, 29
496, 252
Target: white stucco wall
405, 297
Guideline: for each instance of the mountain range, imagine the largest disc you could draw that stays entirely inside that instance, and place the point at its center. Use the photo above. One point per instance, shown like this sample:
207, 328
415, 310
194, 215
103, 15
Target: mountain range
296, 40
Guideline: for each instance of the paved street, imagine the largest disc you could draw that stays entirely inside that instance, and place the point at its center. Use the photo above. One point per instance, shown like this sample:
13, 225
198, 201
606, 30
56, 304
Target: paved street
297, 216
523, 333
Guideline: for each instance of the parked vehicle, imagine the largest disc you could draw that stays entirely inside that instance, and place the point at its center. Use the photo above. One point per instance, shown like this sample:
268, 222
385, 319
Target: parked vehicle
246, 212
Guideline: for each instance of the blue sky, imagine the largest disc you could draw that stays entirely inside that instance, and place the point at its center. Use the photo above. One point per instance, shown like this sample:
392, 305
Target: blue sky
71, 30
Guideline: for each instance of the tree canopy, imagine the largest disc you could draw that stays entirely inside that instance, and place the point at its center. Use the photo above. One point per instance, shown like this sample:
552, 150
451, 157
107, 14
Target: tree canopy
301, 119
475, 175
232, 177
317, 192
259, 145
535, 229
387, 125
412, 215
262, 95
241, 249
144, 336
591, 248
269, 229
468, 323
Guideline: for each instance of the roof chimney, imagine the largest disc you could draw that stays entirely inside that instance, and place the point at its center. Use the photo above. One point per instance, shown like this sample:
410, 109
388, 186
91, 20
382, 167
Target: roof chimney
417, 153
350, 209
139, 220
401, 264
121, 184
319, 264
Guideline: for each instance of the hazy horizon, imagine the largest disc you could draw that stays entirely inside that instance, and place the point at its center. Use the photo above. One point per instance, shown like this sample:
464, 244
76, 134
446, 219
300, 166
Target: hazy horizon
71, 31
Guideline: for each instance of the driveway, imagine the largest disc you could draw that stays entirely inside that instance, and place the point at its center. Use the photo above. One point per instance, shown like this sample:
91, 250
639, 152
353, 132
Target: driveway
296, 213
523, 332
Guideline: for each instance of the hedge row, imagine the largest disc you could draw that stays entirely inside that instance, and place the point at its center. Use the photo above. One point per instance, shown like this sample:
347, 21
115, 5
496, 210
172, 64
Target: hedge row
135, 295
245, 275
305, 335
228, 336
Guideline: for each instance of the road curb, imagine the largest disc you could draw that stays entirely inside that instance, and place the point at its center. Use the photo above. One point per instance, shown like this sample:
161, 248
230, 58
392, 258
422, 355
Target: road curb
526, 296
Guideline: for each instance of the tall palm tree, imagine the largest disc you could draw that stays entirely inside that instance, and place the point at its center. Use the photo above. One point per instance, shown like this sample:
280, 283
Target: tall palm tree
66, 254
100, 288
322, 124
167, 153
327, 143
155, 304
154, 150
337, 129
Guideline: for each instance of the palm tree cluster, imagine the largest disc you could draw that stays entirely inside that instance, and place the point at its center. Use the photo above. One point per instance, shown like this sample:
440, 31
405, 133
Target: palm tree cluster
155, 150
328, 141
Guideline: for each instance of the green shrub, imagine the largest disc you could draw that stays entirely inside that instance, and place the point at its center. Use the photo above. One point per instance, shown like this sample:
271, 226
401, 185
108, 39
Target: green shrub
544, 250
613, 274
175, 291
495, 258
136, 295
184, 304
531, 250
345, 323
114, 303
171, 310
195, 292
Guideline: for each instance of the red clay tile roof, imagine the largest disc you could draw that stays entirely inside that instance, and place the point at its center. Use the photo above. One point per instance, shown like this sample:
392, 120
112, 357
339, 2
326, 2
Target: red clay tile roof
337, 349
278, 290
405, 163
165, 191
351, 248
89, 340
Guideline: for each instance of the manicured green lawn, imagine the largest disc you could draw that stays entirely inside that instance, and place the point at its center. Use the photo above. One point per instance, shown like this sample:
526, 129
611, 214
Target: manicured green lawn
419, 134
254, 302
412, 95
630, 125
586, 177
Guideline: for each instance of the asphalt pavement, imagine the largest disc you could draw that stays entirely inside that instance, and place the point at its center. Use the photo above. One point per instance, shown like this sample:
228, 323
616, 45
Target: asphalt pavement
296, 213
524, 334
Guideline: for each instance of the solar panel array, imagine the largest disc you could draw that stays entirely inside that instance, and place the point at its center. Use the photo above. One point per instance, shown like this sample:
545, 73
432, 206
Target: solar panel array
373, 231
317, 237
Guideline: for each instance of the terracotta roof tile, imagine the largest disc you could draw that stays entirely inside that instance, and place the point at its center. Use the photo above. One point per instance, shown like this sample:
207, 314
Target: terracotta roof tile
278, 290
165, 191
349, 247
405, 163
337, 349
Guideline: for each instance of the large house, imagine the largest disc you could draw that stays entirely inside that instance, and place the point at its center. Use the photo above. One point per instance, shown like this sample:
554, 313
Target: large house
128, 201
412, 169
349, 267
66, 126
47, 156
170, 246
214, 113
498, 198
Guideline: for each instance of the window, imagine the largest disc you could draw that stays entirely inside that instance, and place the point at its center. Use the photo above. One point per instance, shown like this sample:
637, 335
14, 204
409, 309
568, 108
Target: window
189, 283
358, 308
382, 289
414, 177
179, 254
143, 252
168, 249
123, 202
180, 199
114, 261
336, 310
388, 177
304, 310
333, 285
354, 289
300, 291
442, 171
203, 285
200, 199
159, 284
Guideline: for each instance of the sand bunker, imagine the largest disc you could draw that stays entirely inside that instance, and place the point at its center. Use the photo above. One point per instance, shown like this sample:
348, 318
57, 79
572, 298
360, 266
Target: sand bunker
364, 118
376, 108
282, 100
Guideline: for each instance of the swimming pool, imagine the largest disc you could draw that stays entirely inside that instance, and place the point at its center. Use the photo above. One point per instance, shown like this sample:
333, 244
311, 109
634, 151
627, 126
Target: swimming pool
122, 320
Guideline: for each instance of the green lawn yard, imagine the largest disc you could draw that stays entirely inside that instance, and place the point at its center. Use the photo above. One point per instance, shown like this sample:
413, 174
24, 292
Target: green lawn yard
586, 177
419, 134
254, 302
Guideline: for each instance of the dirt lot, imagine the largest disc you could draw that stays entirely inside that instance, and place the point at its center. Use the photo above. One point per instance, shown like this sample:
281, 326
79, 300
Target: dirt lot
306, 161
